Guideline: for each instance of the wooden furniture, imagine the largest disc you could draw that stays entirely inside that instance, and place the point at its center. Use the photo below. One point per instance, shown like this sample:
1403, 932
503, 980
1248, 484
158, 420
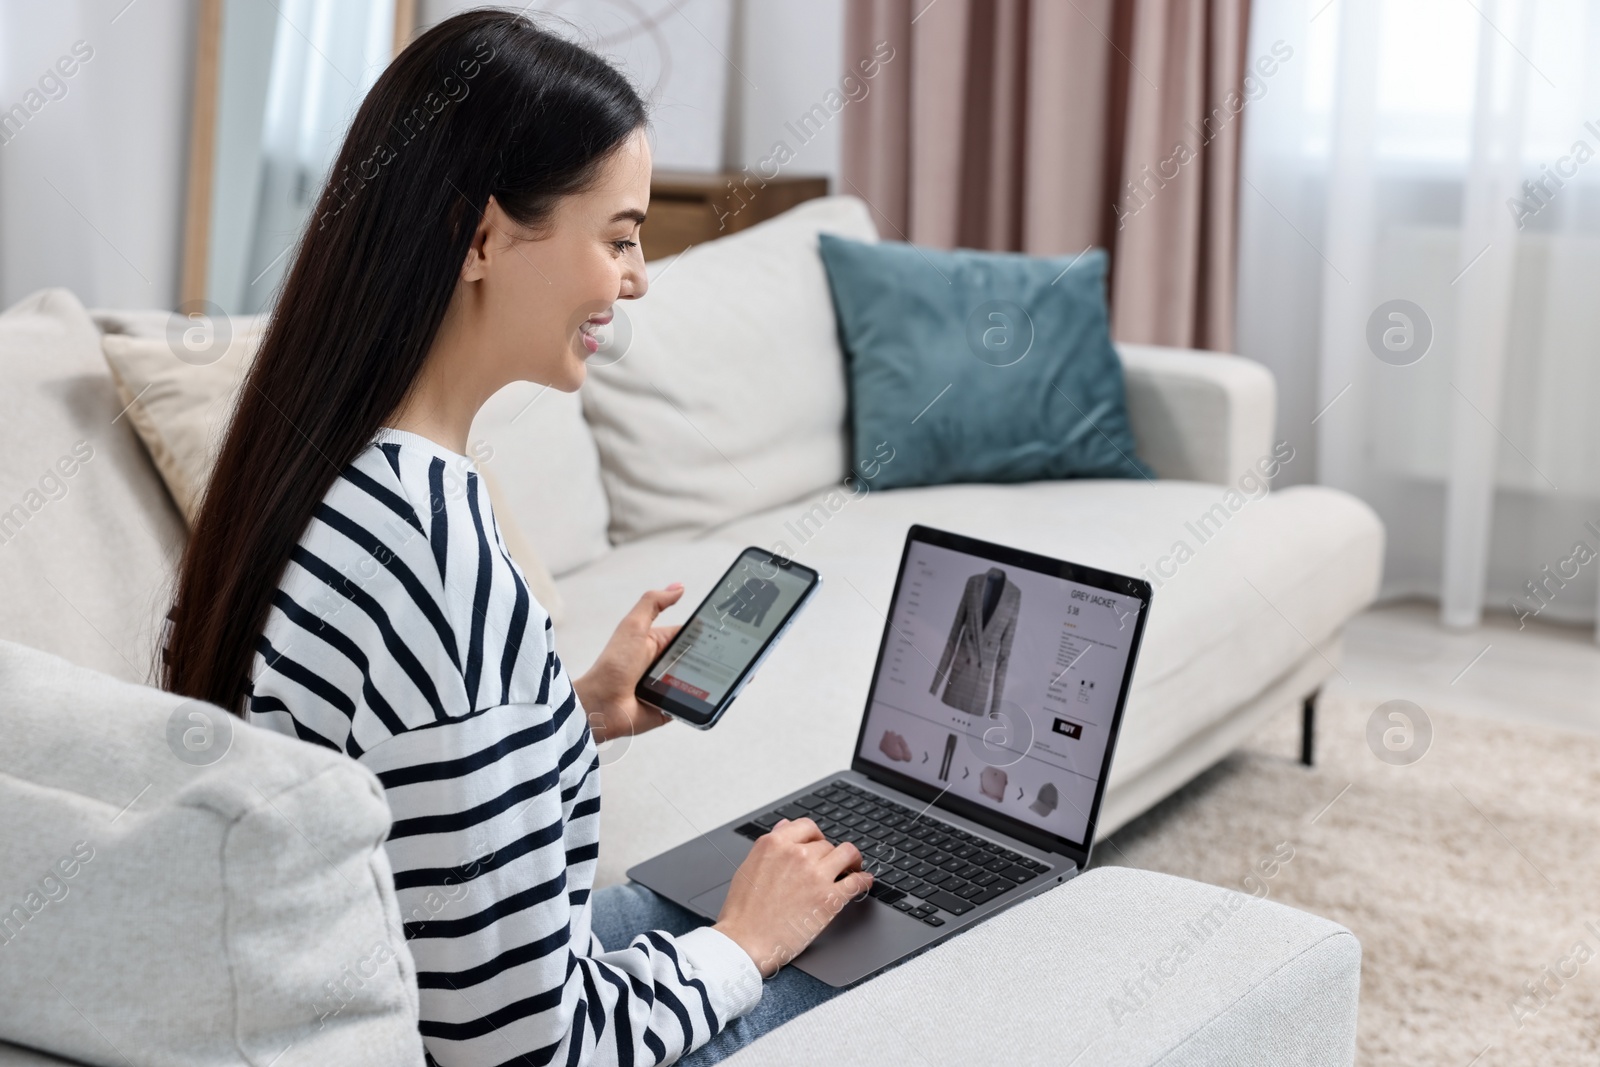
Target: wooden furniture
688, 207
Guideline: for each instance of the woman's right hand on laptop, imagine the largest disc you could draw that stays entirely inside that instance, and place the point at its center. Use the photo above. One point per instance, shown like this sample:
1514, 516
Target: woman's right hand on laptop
788, 889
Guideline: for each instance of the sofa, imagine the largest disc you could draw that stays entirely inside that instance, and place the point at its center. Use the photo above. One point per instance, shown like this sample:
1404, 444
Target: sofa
718, 418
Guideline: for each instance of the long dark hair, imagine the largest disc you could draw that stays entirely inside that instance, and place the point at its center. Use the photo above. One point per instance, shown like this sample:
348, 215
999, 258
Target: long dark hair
486, 103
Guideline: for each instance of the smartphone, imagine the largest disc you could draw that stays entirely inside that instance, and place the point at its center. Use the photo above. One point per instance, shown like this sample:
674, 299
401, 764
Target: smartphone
718, 650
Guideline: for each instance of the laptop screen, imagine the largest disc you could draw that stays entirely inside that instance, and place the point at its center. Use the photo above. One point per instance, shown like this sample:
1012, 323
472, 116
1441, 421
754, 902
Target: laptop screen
1000, 680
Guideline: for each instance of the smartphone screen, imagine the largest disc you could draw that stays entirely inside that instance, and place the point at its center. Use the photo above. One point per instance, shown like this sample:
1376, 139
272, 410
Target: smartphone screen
699, 673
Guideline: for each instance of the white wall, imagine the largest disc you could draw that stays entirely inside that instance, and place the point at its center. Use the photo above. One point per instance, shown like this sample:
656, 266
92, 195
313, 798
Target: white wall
793, 53
92, 186
677, 55
724, 77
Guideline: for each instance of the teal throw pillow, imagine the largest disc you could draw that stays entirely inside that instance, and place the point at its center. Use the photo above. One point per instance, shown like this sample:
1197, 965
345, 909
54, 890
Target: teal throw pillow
970, 366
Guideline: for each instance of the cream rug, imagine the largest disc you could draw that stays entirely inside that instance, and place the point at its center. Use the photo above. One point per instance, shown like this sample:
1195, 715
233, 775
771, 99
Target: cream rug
1472, 876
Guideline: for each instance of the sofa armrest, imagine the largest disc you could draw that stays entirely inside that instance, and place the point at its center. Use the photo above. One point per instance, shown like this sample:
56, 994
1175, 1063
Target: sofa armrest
17, 1056
1198, 416
1119, 966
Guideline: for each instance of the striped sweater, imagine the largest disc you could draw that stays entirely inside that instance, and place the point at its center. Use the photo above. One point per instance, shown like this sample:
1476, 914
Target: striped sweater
403, 635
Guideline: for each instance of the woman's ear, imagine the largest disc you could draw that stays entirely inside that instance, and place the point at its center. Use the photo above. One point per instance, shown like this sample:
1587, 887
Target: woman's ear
476, 265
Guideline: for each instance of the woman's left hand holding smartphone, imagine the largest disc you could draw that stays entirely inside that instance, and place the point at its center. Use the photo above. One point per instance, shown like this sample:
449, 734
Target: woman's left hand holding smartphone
606, 691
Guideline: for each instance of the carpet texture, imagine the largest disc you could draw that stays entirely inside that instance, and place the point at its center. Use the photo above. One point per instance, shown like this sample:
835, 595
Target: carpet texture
1471, 876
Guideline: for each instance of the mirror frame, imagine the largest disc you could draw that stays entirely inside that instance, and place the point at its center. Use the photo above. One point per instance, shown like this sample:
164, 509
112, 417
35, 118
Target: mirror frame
203, 137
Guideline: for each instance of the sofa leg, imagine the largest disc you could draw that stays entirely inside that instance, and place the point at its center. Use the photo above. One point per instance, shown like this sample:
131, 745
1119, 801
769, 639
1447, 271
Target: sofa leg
1308, 728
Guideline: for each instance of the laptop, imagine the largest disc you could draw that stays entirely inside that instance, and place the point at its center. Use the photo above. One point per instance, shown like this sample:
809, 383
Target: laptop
981, 760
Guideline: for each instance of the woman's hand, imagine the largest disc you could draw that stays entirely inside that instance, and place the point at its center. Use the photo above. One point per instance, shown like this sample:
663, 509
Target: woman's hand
607, 690
787, 890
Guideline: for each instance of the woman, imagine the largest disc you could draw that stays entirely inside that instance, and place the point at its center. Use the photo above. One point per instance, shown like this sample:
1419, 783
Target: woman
346, 581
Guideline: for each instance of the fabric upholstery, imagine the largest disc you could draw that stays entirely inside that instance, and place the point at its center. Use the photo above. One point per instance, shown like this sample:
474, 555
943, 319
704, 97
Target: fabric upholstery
1125, 968
544, 473
17, 1056
232, 906
730, 396
1286, 569
979, 366
1198, 416
181, 409
86, 556
1132, 793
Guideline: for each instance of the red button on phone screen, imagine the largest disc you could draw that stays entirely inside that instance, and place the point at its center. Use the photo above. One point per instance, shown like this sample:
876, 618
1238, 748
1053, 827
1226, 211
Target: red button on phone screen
678, 683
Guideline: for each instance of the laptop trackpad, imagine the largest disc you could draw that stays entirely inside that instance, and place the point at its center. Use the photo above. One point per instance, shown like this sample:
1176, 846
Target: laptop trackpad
709, 903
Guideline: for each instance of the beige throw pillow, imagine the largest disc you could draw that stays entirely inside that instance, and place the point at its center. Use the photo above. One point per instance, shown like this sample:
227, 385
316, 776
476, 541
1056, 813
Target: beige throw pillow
181, 412
179, 409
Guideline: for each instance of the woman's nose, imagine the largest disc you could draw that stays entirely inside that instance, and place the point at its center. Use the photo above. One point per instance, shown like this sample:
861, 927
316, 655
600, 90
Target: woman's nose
636, 281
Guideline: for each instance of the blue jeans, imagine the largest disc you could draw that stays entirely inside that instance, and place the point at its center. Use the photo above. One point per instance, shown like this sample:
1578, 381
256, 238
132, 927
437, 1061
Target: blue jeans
622, 911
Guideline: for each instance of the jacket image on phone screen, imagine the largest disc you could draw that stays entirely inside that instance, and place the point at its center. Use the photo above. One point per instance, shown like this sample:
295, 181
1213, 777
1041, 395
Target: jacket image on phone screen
751, 601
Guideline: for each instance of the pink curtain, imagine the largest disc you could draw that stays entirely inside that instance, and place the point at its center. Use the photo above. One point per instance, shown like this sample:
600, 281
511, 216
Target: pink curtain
1049, 126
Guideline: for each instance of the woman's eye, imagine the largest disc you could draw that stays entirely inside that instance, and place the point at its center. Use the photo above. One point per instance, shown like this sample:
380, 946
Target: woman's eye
623, 246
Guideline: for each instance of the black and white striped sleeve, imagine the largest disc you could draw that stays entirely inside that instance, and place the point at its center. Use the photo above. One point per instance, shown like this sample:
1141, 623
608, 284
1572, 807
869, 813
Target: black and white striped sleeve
493, 858
404, 636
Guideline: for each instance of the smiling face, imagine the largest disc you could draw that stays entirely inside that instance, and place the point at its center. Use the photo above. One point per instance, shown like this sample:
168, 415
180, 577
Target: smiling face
528, 303
544, 295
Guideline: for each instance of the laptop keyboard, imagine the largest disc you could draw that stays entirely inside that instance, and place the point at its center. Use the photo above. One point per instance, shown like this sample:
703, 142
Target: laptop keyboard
921, 865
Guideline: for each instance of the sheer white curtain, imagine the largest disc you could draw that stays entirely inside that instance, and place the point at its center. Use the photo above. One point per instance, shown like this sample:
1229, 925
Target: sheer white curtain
1444, 153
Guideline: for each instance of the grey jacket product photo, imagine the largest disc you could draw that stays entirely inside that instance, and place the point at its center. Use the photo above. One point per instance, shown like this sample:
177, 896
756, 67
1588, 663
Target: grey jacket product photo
751, 601
979, 646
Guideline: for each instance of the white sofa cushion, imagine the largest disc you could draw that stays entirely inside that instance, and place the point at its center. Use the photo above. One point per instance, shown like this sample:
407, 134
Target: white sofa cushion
730, 396
175, 911
545, 469
1124, 968
16, 1056
1212, 641
88, 534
